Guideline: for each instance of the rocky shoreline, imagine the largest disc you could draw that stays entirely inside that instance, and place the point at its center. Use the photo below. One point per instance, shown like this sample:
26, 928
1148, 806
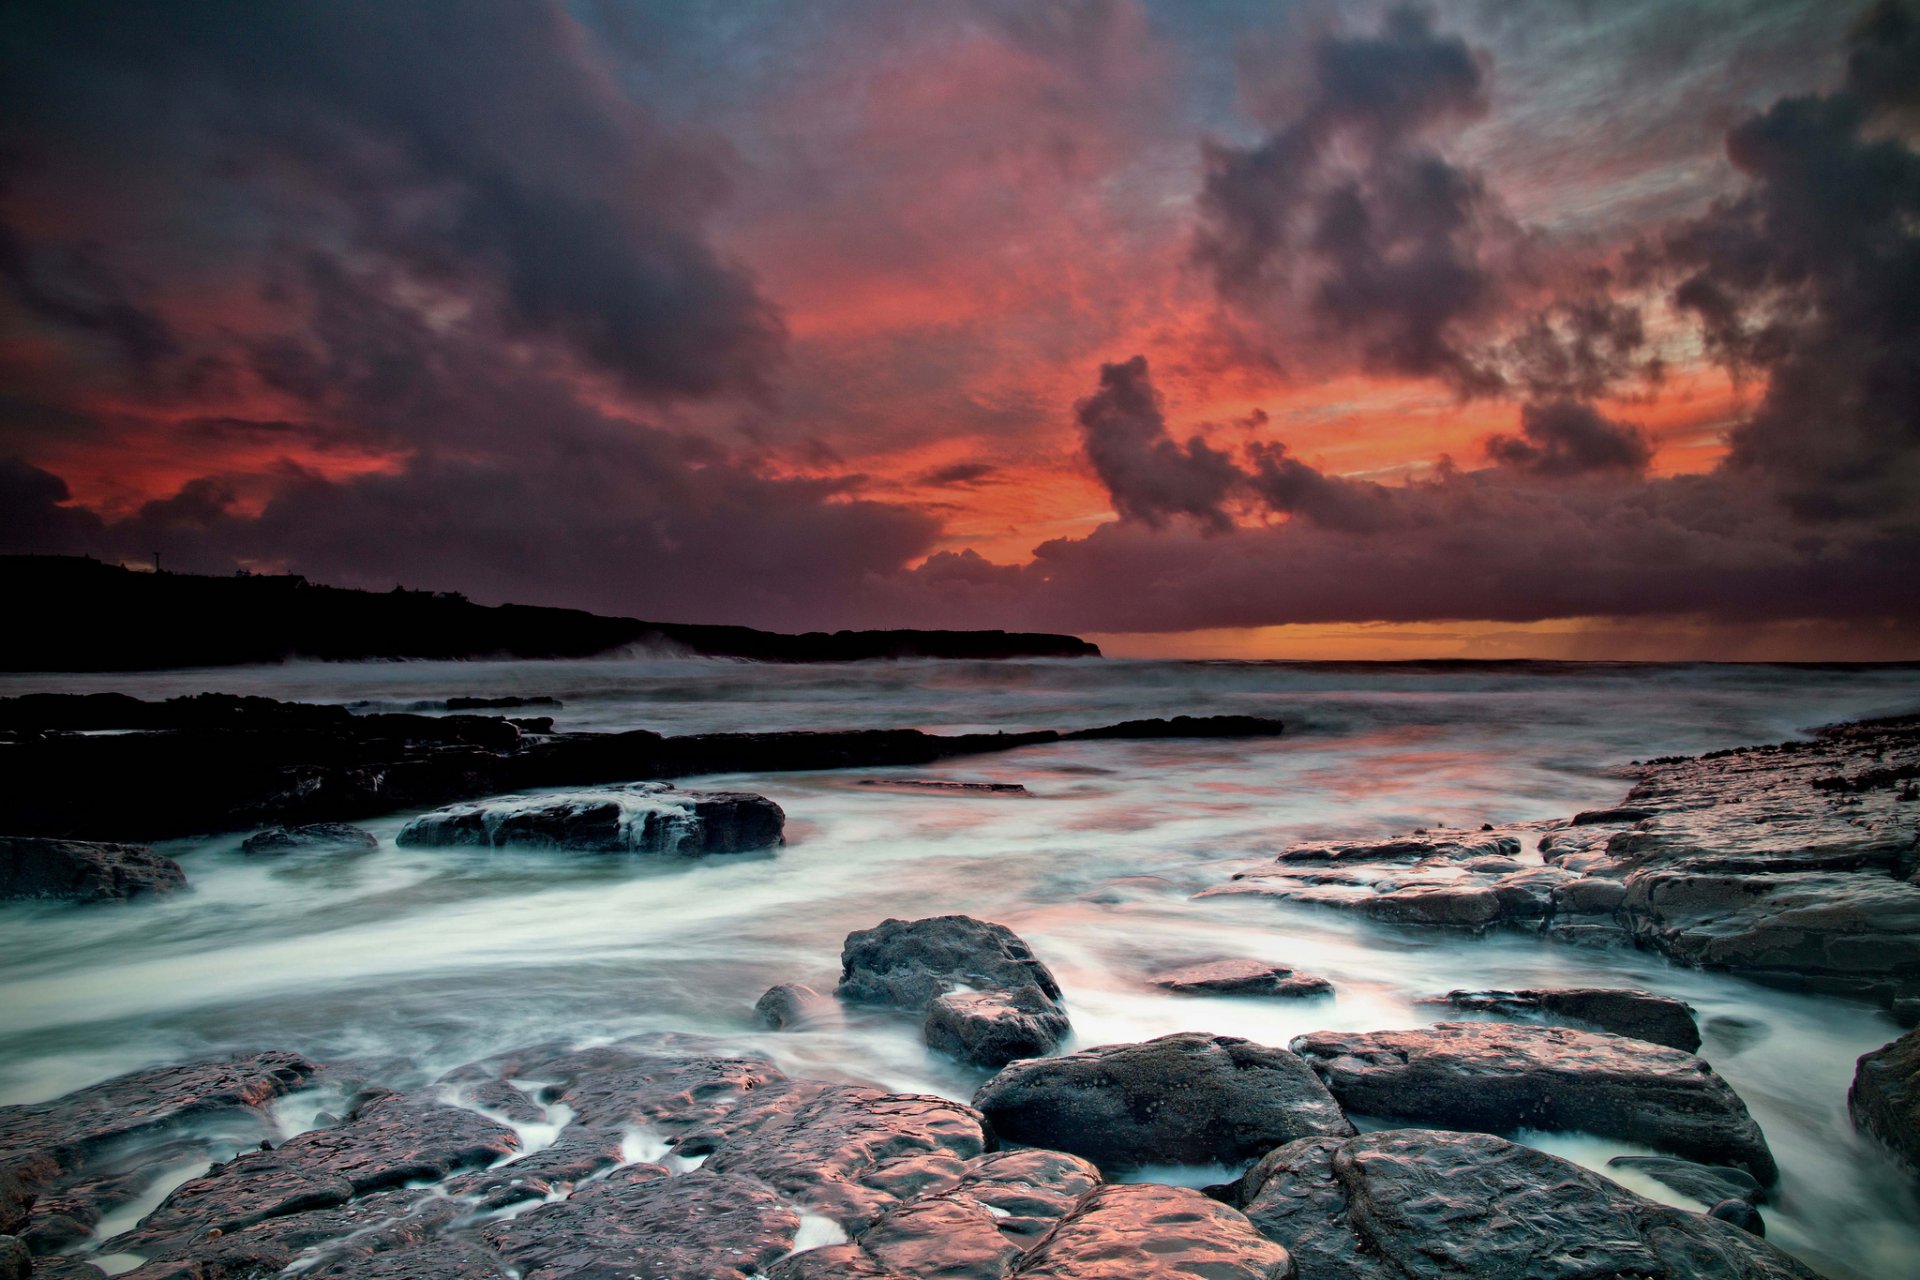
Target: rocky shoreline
213, 763
1796, 864
1382, 1155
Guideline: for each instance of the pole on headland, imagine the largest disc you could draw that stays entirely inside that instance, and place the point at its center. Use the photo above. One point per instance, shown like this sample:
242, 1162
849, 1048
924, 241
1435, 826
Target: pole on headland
156, 562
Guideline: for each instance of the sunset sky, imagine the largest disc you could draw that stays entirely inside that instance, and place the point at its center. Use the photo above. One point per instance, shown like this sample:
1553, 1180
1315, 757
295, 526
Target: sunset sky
1473, 328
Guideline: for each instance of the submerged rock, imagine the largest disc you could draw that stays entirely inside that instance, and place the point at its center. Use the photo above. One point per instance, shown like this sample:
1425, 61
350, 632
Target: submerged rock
1884, 1099
1181, 1099
1412, 1202
315, 835
84, 870
1707, 1183
992, 1028
1741, 1214
1638, 1015
1500, 1078
644, 817
793, 1005
1149, 1232
1242, 978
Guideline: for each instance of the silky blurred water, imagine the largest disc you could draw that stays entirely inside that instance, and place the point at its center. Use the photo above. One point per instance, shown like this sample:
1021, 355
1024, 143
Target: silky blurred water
412, 961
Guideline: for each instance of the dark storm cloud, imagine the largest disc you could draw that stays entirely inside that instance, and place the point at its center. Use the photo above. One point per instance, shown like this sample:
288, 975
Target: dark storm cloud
1286, 484
1582, 349
1571, 438
1150, 477
474, 144
1344, 208
452, 263
1811, 278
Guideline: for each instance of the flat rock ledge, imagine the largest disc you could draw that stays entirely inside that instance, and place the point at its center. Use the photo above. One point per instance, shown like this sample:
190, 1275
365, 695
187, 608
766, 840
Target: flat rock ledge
1501, 1078
84, 870
1402, 1203
984, 996
1884, 1099
1795, 863
1638, 1015
1190, 1099
1241, 978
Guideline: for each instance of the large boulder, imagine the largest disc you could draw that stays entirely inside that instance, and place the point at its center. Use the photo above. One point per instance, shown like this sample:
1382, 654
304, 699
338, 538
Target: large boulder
987, 999
83, 870
1501, 1078
644, 817
1181, 1099
909, 963
1149, 1232
1884, 1099
1638, 1015
1408, 1202
992, 1028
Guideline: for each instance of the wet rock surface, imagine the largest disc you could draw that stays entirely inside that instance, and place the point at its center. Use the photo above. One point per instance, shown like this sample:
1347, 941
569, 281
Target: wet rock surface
1404, 1203
64, 1164
1884, 1099
642, 1222
657, 1162
84, 870
1148, 1232
1180, 1099
1241, 978
1794, 863
1501, 1078
1638, 1015
315, 835
647, 817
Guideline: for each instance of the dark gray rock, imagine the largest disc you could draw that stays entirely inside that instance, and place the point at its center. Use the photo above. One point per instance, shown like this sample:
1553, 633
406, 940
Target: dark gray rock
642, 817
638, 1221
834, 1262
1242, 978
1638, 1015
793, 1005
908, 963
1411, 1202
1180, 1099
1884, 1099
83, 870
1707, 1183
315, 835
1741, 1214
1149, 1232
15, 1262
385, 1143
993, 1028
1623, 813
1499, 1078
